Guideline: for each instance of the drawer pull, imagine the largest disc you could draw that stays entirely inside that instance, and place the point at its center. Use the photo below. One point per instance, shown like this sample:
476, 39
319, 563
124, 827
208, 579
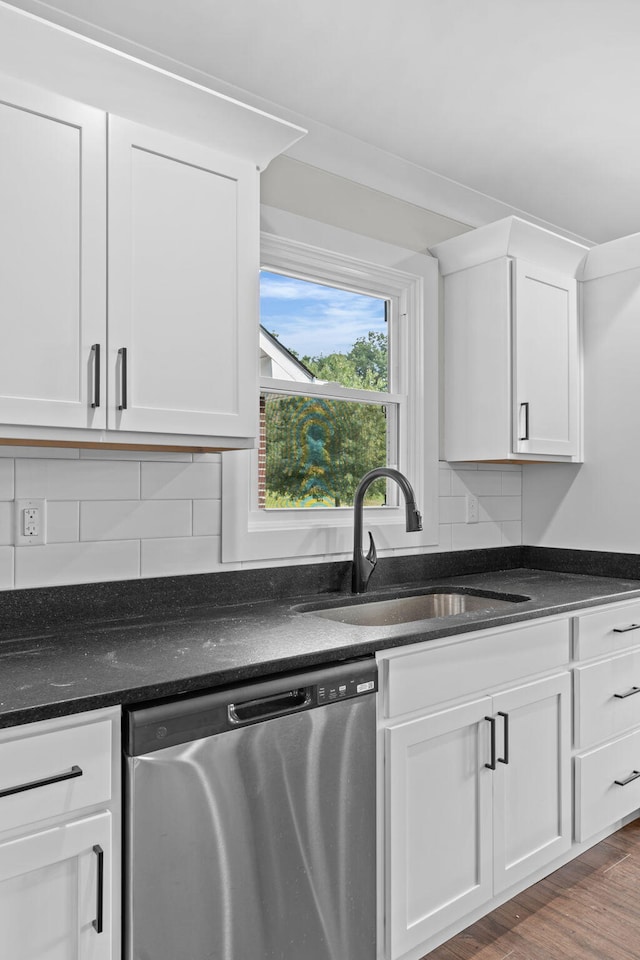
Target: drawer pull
632, 626
505, 717
97, 924
34, 784
629, 693
633, 776
492, 765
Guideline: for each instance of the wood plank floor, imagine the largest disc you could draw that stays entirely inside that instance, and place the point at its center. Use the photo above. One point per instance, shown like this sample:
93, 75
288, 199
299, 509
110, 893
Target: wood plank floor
587, 910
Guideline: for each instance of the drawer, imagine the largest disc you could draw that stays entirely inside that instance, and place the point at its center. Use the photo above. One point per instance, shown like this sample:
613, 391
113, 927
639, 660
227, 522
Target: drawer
600, 800
607, 698
476, 663
76, 759
608, 630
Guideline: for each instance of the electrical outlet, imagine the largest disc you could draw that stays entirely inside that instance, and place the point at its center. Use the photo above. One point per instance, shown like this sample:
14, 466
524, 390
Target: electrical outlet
472, 509
30, 523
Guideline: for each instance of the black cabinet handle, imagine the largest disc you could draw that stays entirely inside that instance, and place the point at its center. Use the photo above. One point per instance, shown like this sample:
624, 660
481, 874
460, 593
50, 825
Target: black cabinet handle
629, 693
632, 626
524, 407
98, 922
505, 717
34, 784
122, 352
95, 350
630, 779
492, 765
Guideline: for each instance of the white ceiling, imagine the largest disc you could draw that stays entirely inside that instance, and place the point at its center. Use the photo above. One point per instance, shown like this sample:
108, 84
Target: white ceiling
533, 102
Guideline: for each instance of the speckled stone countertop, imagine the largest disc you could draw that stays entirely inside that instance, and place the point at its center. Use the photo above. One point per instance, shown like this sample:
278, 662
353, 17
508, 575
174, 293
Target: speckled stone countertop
70, 649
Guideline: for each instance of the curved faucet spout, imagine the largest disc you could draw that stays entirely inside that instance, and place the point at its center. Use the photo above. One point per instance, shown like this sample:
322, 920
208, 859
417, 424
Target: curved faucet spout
363, 566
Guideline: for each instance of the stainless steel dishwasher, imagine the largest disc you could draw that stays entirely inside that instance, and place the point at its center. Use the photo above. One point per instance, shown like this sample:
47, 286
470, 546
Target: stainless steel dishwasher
250, 821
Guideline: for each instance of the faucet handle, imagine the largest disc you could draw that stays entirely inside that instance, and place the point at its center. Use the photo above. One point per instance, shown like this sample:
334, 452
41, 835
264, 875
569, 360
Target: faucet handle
372, 555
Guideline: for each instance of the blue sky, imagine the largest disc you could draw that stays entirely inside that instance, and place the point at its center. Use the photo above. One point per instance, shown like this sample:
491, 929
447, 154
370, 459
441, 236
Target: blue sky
315, 320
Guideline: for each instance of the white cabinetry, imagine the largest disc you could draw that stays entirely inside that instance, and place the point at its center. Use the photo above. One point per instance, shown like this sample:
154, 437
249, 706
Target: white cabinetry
59, 839
52, 258
607, 718
174, 363
478, 794
511, 344
183, 267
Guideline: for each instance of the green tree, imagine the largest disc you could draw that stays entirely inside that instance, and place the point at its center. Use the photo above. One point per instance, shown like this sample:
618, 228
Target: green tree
317, 449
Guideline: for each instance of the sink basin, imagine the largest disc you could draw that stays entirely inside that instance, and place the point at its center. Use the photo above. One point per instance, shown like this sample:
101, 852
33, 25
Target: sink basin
420, 605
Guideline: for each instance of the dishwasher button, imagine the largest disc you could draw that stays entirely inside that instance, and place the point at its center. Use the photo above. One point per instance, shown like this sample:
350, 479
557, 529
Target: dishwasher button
363, 687
342, 690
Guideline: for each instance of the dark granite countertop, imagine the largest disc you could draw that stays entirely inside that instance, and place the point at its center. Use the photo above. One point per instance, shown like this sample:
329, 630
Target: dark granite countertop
67, 650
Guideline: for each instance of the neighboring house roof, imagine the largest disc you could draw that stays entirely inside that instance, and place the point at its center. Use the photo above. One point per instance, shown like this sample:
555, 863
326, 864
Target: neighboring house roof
278, 362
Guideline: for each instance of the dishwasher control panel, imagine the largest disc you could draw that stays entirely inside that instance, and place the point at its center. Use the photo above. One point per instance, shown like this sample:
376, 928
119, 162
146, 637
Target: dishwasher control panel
344, 689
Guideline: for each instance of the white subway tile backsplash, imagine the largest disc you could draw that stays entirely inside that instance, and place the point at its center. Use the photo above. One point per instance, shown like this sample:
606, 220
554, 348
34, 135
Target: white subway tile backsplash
6, 567
137, 455
472, 536
444, 537
478, 483
181, 481
6, 521
122, 514
207, 516
63, 521
512, 484
134, 519
162, 558
79, 480
453, 509
40, 453
61, 563
207, 457
500, 508
6, 479
444, 480
511, 533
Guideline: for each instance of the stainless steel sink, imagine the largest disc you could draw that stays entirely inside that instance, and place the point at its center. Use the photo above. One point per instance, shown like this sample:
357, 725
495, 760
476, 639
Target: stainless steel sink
369, 612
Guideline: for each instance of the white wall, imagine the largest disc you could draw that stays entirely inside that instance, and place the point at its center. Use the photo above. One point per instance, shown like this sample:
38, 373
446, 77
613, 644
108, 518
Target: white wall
114, 515
597, 505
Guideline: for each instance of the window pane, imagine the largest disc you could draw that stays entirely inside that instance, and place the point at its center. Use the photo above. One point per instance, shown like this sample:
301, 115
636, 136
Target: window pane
335, 334
316, 451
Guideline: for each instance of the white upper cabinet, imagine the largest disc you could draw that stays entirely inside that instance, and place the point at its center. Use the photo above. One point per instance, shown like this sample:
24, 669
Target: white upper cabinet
175, 360
511, 344
52, 259
183, 268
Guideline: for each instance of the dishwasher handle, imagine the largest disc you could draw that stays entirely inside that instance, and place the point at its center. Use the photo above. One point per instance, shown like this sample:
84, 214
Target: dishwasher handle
265, 708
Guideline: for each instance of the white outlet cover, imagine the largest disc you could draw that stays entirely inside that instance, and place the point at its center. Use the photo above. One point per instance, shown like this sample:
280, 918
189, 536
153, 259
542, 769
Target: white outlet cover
20, 539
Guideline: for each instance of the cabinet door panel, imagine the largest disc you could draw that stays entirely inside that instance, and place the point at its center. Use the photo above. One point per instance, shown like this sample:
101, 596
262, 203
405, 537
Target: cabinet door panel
49, 893
532, 792
182, 285
546, 369
52, 257
438, 822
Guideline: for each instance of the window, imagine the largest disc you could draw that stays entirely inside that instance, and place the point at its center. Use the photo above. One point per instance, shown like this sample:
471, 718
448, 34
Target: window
327, 418
315, 447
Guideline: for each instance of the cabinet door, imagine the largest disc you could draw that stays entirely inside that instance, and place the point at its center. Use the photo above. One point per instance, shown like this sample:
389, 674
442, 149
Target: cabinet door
545, 343
532, 782
183, 286
54, 890
438, 822
52, 258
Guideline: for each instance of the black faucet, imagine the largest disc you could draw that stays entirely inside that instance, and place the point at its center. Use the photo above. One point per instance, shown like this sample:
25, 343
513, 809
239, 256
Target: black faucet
363, 566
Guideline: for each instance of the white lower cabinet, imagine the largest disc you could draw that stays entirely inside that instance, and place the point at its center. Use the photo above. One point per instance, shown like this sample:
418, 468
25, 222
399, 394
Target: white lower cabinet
438, 822
55, 892
477, 798
60, 839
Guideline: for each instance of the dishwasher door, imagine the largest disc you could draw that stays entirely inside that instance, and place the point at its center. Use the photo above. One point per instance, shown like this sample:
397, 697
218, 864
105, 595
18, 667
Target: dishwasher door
255, 839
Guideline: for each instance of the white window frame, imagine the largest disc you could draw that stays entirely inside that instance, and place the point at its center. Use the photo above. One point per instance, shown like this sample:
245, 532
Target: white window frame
252, 534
